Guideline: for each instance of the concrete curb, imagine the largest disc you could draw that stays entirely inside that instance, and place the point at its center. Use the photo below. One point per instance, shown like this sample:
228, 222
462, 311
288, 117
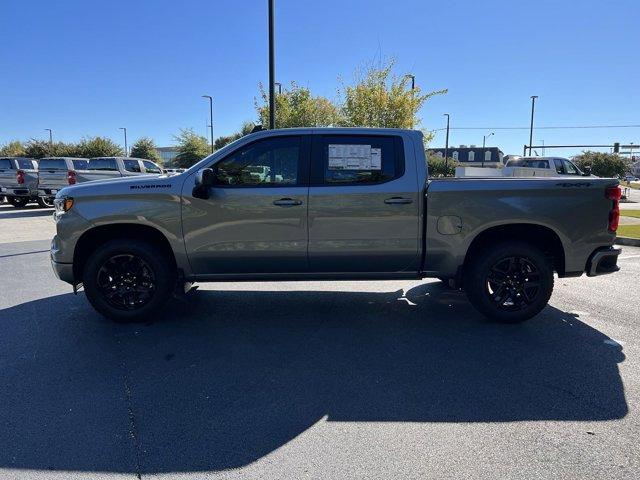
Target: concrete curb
630, 242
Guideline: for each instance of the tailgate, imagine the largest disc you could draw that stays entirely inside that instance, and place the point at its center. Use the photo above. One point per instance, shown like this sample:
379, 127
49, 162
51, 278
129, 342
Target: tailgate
52, 179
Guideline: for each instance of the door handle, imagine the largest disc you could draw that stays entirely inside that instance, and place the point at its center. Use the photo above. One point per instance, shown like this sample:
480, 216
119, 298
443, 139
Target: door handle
287, 202
398, 201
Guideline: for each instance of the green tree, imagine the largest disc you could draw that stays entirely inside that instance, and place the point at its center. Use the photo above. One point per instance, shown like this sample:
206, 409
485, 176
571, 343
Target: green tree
191, 148
297, 107
35, 148
246, 129
98, 147
602, 164
15, 148
379, 98
146, 148
439, 168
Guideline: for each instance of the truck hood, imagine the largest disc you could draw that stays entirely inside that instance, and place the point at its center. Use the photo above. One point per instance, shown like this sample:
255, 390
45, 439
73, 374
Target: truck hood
119, 186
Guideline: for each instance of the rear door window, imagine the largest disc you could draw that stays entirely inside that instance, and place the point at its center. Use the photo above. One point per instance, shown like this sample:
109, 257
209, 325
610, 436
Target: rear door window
108, 164
357, 159
27, 164
80, 164
132, 166
53, 164
151, 167
5, 164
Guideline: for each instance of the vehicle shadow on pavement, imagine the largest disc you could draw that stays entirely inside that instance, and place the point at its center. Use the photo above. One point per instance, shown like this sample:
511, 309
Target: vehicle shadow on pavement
229, 377
26, 212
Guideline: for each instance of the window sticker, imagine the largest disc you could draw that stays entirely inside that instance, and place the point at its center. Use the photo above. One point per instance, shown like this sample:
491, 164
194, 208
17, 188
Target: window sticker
354, 157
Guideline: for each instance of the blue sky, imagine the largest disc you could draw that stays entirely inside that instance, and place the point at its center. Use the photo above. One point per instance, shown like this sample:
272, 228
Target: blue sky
86, 68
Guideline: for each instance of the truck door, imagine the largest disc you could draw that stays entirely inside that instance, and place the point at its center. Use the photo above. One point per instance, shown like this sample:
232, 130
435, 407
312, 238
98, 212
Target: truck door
363, 205
255, 219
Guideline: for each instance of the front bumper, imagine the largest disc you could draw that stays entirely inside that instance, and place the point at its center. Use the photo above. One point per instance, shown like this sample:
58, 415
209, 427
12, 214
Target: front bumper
64, 271
602, 261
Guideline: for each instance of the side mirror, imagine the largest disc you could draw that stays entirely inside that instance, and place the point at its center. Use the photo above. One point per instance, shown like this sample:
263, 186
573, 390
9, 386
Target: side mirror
204, 179
587, 170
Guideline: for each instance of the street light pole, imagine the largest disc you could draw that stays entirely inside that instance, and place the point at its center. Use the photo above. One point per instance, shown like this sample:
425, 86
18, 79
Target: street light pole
126, 147
413, 81
484, 141
446, 143
533, 106
210, 117
272, 68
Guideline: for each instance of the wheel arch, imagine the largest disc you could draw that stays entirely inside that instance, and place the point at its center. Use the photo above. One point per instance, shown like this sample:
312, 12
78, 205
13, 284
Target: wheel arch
540, 236
99, 235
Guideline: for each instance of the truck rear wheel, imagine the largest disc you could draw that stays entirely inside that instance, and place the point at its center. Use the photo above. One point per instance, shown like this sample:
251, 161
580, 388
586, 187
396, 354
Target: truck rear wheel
128, 280
509, 282
18, 202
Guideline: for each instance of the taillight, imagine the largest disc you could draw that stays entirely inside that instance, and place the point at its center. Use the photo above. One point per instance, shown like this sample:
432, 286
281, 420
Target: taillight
614, 194
71, 177
20, 177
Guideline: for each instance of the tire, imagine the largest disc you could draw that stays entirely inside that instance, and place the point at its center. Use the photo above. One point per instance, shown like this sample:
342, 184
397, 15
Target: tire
18, 202
140, 274
509, 282
45, 202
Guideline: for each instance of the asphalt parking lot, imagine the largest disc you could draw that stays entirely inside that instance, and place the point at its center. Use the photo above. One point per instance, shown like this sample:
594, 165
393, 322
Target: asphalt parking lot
314, 380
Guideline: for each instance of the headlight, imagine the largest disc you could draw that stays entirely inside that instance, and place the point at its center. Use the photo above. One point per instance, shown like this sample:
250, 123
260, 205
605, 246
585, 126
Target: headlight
63, 204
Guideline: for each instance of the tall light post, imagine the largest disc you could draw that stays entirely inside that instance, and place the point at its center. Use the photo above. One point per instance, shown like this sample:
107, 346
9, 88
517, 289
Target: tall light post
126, 147
446, 143
50, 140
484, 142
272, 67
210, 117
533, 107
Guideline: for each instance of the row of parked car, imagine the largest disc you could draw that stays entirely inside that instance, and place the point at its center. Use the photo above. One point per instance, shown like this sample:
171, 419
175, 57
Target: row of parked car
23, 180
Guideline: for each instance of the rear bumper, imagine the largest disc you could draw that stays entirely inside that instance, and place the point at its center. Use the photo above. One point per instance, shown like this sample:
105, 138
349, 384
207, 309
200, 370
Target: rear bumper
48, 192
602, 261
16, 192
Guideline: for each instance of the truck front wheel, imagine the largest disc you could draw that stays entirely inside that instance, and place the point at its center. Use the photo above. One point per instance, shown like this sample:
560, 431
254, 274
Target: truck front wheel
509, 282
128, 280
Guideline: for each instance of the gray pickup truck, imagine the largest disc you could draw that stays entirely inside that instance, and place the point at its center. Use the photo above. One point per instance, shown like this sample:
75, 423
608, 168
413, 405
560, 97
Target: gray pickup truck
55, 173
102, 168
331, 204
19, 181
58, 172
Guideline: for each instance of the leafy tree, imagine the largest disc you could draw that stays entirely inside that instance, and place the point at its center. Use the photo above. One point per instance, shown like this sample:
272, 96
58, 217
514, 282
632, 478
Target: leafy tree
602, 164
191, 147
14, 148
98, 147
379, 98
146, 148
246, 129
297, 107
439, 168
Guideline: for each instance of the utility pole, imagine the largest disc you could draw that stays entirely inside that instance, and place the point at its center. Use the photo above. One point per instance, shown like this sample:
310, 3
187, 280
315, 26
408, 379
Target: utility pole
533, 106
446, 143
210, 117
272, 67
126, 147
484, 141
